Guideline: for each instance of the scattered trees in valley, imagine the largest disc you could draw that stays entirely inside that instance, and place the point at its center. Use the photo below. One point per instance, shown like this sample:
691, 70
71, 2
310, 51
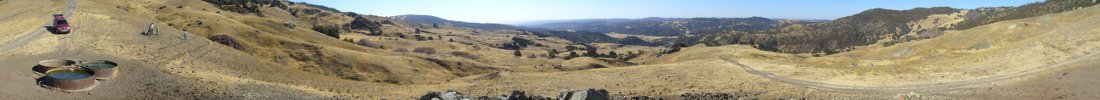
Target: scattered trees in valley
517, 43
612, 54
419, 38
572, 54
590, 51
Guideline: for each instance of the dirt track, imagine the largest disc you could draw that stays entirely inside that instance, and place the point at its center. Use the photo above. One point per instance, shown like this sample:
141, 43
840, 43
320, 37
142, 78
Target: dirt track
28, 37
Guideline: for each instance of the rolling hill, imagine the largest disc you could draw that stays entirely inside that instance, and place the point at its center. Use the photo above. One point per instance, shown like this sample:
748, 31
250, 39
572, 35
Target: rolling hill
278, 49
427, 19
881, 26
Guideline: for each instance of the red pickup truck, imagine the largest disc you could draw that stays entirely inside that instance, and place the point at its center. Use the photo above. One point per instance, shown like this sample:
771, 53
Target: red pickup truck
60, 24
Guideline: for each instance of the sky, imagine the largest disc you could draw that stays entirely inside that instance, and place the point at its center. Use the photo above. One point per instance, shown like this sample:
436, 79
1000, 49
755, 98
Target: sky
515, 11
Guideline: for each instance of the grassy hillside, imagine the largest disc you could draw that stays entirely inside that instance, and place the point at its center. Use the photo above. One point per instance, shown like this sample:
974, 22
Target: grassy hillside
275, 49
880, 26
436, 21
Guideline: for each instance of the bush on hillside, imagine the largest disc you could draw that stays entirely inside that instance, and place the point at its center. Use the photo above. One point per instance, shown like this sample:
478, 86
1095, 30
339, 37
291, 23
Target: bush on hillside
553, 53
227, 41
612, 54
246, 6
674, 48
517, 53
465, 55
630, 55
349, 40
400, 50
425, 50
330, 31
366, 43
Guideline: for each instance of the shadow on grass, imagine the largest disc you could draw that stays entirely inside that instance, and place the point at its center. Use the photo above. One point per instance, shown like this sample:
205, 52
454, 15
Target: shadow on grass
53, 30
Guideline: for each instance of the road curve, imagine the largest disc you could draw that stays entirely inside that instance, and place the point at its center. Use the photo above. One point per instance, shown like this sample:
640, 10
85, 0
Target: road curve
904, 88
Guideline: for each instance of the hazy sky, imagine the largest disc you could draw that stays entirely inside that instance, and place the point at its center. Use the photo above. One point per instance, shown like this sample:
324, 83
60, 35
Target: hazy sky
510, 11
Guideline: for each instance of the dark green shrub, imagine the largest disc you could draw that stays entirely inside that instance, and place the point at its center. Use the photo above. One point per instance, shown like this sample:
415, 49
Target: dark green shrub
327, 30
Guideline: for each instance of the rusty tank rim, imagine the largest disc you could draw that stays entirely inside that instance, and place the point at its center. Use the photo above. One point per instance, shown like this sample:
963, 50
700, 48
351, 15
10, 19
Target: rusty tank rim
47, 65
63, 79
102, 72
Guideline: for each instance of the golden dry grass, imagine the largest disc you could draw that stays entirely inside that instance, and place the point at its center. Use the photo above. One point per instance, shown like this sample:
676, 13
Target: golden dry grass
298, 63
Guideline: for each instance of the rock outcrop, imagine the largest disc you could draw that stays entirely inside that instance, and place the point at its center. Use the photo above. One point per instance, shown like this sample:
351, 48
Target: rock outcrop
585, 94
361, 23
449, 95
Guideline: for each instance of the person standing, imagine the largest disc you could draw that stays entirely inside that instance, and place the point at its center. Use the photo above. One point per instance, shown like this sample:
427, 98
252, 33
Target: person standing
185, 35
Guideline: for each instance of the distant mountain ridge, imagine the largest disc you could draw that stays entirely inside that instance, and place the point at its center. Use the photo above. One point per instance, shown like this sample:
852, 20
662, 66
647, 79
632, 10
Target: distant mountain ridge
657, 26
428, 19
541, 22
575, 36
873, 26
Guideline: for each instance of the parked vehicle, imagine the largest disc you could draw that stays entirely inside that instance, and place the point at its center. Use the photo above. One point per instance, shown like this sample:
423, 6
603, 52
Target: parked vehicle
60, 25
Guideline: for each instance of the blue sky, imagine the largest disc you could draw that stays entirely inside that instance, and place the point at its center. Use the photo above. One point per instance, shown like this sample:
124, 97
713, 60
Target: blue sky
511, 11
